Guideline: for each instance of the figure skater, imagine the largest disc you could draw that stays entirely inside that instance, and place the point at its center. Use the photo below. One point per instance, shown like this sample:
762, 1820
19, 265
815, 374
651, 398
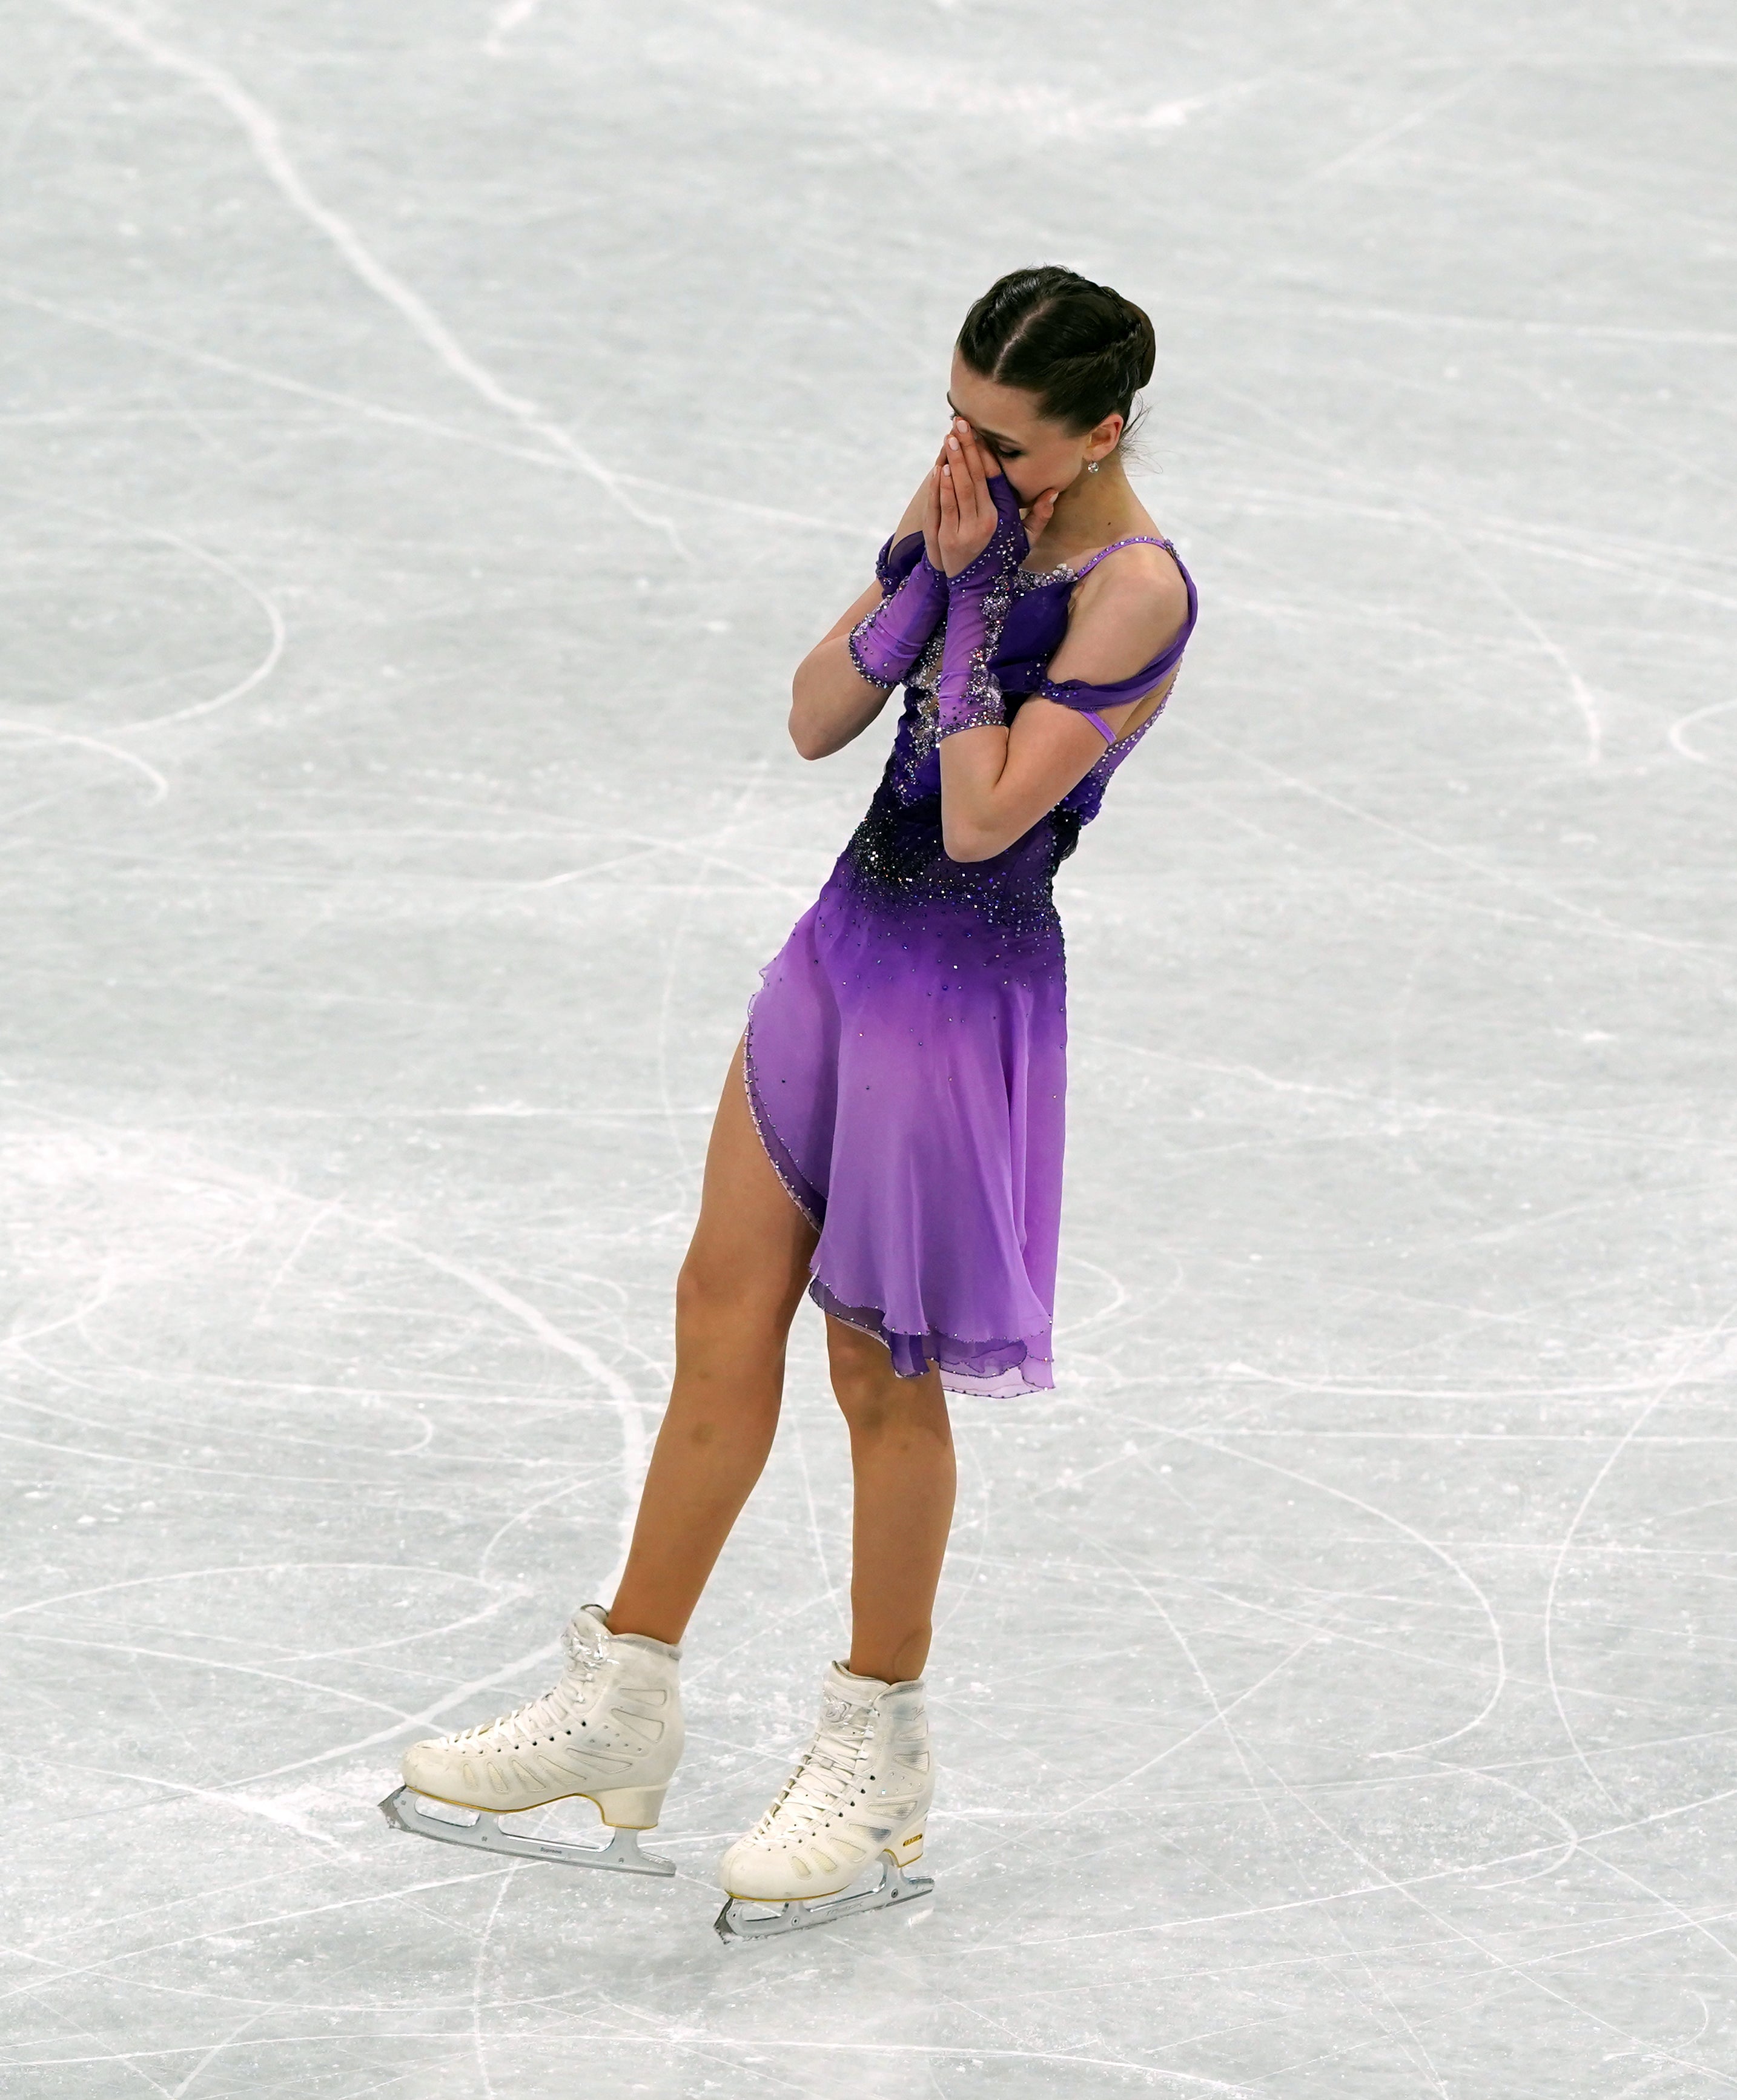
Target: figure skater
889, 1138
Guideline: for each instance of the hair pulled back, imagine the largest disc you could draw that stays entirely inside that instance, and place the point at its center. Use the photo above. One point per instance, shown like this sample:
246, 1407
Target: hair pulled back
1082, 348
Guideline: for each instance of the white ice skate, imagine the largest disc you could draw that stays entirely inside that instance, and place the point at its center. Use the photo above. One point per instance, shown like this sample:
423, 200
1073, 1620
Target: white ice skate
855, 1806
611, 1731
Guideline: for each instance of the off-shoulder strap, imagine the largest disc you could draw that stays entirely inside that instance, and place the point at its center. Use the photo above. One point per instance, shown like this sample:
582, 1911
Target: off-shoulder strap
1086, 698
1134, 539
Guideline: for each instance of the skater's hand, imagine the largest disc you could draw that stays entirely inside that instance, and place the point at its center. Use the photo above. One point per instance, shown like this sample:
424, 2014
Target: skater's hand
929, 498
1036, 516
961, 517
965, 515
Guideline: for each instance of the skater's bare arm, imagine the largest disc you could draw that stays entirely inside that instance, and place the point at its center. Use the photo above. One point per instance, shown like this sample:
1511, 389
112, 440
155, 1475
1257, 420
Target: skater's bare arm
996, 782
831, 702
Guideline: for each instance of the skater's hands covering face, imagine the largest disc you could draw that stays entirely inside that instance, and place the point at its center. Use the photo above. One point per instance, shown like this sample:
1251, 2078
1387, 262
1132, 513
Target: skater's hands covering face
960, 518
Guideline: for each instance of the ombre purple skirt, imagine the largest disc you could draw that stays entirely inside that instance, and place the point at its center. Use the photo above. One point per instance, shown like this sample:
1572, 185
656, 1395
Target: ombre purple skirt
907, 1068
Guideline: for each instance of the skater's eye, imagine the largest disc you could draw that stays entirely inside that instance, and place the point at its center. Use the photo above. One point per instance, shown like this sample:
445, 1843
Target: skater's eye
1002, 448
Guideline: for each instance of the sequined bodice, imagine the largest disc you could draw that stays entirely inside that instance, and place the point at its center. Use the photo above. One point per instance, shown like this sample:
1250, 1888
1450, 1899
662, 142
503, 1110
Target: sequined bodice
1035, 627
897, 849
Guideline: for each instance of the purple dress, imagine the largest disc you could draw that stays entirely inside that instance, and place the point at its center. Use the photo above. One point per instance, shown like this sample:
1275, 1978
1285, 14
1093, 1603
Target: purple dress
906, 1058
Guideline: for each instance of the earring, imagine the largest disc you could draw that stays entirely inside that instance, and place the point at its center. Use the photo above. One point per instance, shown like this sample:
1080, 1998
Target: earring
1091, 466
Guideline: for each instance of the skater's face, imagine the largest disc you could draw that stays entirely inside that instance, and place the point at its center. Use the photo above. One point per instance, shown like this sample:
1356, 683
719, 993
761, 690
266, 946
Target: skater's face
1034, 453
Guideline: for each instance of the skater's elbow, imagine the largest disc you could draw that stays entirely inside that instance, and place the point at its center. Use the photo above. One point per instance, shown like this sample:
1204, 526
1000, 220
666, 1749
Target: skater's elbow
963, 839
830, 706
806, 734
816, 733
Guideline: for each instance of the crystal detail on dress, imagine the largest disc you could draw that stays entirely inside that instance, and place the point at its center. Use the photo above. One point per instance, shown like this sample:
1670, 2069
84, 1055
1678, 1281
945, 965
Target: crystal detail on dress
981, 705
861, 628
802, 1192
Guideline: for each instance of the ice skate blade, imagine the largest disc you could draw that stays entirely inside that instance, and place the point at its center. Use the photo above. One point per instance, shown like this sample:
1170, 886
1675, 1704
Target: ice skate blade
621, 1855
738, 1920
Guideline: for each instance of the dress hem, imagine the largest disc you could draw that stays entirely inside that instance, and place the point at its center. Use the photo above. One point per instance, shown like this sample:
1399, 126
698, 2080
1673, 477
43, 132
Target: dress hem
911, 1355
1029, 1373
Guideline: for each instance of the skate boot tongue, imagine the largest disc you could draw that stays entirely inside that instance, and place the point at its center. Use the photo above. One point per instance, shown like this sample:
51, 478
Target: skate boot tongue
841, 1687
844, 1685
586, 1637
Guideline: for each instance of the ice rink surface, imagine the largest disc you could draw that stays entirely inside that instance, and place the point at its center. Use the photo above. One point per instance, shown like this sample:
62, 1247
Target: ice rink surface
431, 437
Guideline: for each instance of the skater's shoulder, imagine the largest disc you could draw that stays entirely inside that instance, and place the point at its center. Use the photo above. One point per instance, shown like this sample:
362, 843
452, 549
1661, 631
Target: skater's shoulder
1131, 603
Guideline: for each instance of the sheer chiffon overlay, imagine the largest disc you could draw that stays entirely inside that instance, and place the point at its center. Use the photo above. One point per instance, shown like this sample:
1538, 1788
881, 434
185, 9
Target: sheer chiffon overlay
906, 1049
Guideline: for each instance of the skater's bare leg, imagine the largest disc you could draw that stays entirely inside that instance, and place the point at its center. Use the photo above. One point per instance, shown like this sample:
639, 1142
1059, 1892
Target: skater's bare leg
736, 1296
902, 1456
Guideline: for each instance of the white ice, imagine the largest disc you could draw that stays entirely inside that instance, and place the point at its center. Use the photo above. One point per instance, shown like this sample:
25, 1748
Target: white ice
430, 436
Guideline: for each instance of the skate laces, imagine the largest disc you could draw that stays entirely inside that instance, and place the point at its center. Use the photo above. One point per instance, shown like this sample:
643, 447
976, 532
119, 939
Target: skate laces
585, 1656
825, 1769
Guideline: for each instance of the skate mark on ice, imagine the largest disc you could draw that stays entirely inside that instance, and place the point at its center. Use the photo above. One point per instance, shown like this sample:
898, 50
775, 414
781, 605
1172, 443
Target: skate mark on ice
429, 426
1221, 1717
1386, 1649
1398, 129
661, 849
1419, 1114
1549, 1867
1457, 1568
1322, 1897
1679, 737
1056, 1817
1520, 1972
123, 1460
79, 741
520, 1666
384, 1400
1696, 1352
1501, 877
324, 1211
479, 2044
1684, 1921
234, 1929
260, 129
555, 1494
1579, 692
198, 1662
277, 633
1118, 1298
634, 1452
230, 2040
496, 1604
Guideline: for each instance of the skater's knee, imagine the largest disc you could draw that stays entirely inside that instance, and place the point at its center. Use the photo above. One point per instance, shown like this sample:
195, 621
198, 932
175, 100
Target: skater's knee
718, 1291
876, 1402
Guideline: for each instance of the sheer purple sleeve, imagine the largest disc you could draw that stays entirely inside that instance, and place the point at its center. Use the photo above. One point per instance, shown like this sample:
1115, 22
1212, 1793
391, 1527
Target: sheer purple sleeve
885, 644
967, 696
894, 563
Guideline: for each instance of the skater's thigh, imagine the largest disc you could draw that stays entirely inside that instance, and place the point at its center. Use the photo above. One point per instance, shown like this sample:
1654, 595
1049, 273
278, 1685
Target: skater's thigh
752, 1243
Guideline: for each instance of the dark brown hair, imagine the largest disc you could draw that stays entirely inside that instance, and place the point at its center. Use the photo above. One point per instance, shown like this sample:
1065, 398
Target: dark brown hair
1082, 348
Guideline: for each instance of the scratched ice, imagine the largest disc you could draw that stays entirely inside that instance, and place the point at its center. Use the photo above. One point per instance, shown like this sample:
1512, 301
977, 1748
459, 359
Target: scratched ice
430, 437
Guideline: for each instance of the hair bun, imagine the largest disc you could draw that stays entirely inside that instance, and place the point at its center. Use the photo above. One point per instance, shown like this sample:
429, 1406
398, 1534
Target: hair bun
1080, 347
1141, 340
